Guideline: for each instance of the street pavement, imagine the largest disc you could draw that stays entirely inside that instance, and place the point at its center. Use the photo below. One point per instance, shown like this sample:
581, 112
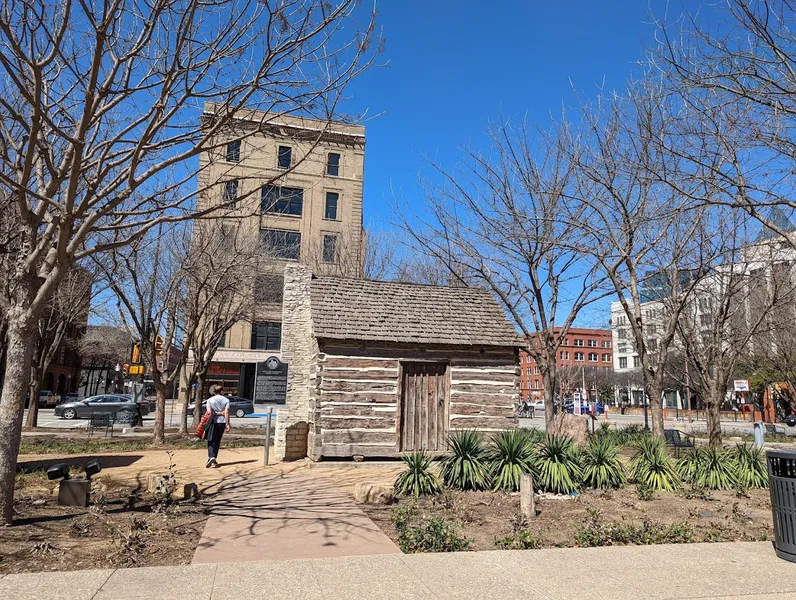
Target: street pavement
728, 571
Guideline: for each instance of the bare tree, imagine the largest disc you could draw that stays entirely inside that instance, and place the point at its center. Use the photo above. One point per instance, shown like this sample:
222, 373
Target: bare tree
733, 66
68, 312
101, 124
102, 348
500, 221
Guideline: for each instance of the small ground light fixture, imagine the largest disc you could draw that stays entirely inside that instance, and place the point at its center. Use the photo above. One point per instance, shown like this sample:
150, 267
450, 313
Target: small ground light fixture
59, 471
91, 468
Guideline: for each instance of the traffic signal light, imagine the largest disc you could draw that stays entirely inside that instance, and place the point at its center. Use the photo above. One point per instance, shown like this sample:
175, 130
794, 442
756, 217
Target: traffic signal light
126, 370
158, 345
135, 358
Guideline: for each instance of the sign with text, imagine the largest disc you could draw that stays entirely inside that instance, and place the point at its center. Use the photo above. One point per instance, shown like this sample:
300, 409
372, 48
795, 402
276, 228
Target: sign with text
741, 385
270, 382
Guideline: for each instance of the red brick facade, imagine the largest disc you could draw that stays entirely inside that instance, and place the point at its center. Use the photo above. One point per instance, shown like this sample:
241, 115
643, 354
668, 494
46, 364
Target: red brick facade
589, 348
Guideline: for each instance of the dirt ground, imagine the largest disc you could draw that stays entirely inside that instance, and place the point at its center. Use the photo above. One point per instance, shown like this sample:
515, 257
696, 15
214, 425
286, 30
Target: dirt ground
485, 517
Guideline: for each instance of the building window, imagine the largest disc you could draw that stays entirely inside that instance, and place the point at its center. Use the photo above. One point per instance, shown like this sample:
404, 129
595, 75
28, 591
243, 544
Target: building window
705, 319
333, 164
567, 353
606, 344
592, 357
653, 345
528, 371
282, 244
266, 336
562, 355
536, 384
622, 333
566, 341
636, 362
233, 151
282, 200
330, 212
578, 342
592, 343
652, 329
284, 157
536, 370
579, 356
222, 343
230, 192
329, 247
623, 362
606, 358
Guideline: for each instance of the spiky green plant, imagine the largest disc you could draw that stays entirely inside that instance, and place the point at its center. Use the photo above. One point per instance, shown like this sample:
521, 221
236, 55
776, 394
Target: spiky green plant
558, 467
418, 479
651, 465
601, 466
708, 468
466, 468
510, 454
750, 466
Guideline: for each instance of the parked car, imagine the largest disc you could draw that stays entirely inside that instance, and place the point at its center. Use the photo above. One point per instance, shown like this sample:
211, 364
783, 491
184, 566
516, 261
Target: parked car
240, 407
47, 399
538, 406
104, 403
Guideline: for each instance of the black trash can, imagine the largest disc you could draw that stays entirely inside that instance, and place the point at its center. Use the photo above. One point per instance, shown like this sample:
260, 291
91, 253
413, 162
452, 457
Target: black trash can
782, 486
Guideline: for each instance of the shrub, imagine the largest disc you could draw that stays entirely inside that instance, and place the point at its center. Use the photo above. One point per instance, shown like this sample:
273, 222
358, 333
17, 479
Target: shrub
418, 479
466, 468
511, 454
601, 466
652, 466
520, 540
429, 535
750, 467
595, 532
709, 468
644, 492
558, 469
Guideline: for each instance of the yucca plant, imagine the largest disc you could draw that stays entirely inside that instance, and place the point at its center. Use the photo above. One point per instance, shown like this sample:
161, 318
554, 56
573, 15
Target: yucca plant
418, 479
510, 454
651, 466
467, 467
709, 468
750, 467
601, 466
558, 467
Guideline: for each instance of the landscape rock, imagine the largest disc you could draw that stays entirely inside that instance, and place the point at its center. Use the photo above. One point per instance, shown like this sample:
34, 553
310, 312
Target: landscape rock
39, 502
373, 493
190, 490
574, 426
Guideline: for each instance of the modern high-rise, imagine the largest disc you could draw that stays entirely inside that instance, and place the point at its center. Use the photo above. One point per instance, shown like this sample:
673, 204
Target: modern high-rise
294, 186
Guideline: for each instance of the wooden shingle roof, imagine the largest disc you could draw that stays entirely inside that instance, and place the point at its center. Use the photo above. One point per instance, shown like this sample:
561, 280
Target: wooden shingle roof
360, 309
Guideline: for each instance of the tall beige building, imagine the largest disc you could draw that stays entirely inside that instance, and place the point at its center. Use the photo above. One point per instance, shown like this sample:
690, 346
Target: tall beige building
293, 185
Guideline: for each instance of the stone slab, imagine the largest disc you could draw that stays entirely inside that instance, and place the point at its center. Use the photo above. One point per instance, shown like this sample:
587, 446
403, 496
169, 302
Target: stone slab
277, 518
159, 583
68, 585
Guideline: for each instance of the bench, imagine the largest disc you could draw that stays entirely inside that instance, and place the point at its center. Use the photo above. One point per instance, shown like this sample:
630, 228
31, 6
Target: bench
100, 421
772, 429
677, 439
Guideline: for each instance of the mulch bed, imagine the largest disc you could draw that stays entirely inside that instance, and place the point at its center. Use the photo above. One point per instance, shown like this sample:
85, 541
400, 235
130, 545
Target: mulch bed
122, 528
485, 517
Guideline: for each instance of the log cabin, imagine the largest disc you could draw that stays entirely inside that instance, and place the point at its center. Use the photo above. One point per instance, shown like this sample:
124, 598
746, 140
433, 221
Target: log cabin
378, 368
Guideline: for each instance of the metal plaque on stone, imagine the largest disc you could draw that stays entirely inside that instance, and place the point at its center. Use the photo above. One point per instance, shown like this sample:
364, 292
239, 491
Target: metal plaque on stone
270, 382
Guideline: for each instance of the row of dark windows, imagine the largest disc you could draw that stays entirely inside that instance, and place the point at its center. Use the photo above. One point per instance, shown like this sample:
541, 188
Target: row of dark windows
283, 200
287, 244
284, 158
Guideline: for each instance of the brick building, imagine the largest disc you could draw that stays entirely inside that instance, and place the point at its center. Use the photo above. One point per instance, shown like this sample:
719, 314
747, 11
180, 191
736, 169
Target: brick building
587, 349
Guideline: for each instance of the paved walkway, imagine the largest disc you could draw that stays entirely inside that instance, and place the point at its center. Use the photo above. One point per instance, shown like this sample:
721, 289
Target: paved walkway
286, 516
740, 571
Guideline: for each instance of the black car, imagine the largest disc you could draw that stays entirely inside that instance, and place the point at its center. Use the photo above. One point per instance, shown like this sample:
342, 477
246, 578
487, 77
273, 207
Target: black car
240, 407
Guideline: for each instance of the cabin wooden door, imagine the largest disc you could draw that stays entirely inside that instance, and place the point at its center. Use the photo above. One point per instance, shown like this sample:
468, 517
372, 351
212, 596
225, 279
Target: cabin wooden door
424, 406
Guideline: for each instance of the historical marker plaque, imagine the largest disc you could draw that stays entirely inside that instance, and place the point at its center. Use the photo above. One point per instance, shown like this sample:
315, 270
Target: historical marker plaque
270, 382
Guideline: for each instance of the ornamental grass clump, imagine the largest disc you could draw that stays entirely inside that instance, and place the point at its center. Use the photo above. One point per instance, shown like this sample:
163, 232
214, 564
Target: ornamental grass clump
467, 467
558, 468
418, 479
601, 466
652, 467
750, 467
708, 468
510, 454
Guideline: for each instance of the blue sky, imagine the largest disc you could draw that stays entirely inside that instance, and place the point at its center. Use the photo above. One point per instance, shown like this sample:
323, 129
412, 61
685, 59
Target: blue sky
454, 66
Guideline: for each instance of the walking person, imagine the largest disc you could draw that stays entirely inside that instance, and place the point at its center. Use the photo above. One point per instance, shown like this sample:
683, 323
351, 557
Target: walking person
218, 413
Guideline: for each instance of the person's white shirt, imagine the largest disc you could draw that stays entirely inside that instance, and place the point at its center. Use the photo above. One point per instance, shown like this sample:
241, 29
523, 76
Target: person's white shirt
218, 404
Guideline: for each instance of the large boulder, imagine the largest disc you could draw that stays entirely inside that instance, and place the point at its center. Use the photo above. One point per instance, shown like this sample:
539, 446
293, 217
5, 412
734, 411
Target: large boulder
574, 426
373, 493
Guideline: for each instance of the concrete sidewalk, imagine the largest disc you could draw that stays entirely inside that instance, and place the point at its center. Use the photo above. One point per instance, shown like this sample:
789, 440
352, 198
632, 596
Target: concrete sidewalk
748, 571
287, 516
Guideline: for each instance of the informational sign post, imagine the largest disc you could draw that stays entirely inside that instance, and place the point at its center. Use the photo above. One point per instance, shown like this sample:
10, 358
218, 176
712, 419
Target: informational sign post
741, 385
270, 382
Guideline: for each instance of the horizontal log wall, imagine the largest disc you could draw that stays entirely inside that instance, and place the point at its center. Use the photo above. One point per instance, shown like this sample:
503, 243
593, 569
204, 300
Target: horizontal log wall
357, 393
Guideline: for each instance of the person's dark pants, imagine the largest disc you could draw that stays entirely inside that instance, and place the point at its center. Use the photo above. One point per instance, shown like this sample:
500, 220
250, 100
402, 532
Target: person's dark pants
215, 440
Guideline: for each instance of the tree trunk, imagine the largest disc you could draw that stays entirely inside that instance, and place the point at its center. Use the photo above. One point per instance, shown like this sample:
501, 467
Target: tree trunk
32, 420
655, 392
198, 394
548, 378
714, 398
185, 397
159, 437
19, 356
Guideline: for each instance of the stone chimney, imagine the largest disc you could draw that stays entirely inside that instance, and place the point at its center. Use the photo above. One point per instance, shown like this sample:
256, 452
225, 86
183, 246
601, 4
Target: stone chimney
300, 352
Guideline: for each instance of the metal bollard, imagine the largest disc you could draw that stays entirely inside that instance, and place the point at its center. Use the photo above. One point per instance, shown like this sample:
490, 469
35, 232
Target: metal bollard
760, 434
267, 438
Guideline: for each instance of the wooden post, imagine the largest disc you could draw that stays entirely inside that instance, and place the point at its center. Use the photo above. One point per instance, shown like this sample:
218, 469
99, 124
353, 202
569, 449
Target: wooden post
526, 496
